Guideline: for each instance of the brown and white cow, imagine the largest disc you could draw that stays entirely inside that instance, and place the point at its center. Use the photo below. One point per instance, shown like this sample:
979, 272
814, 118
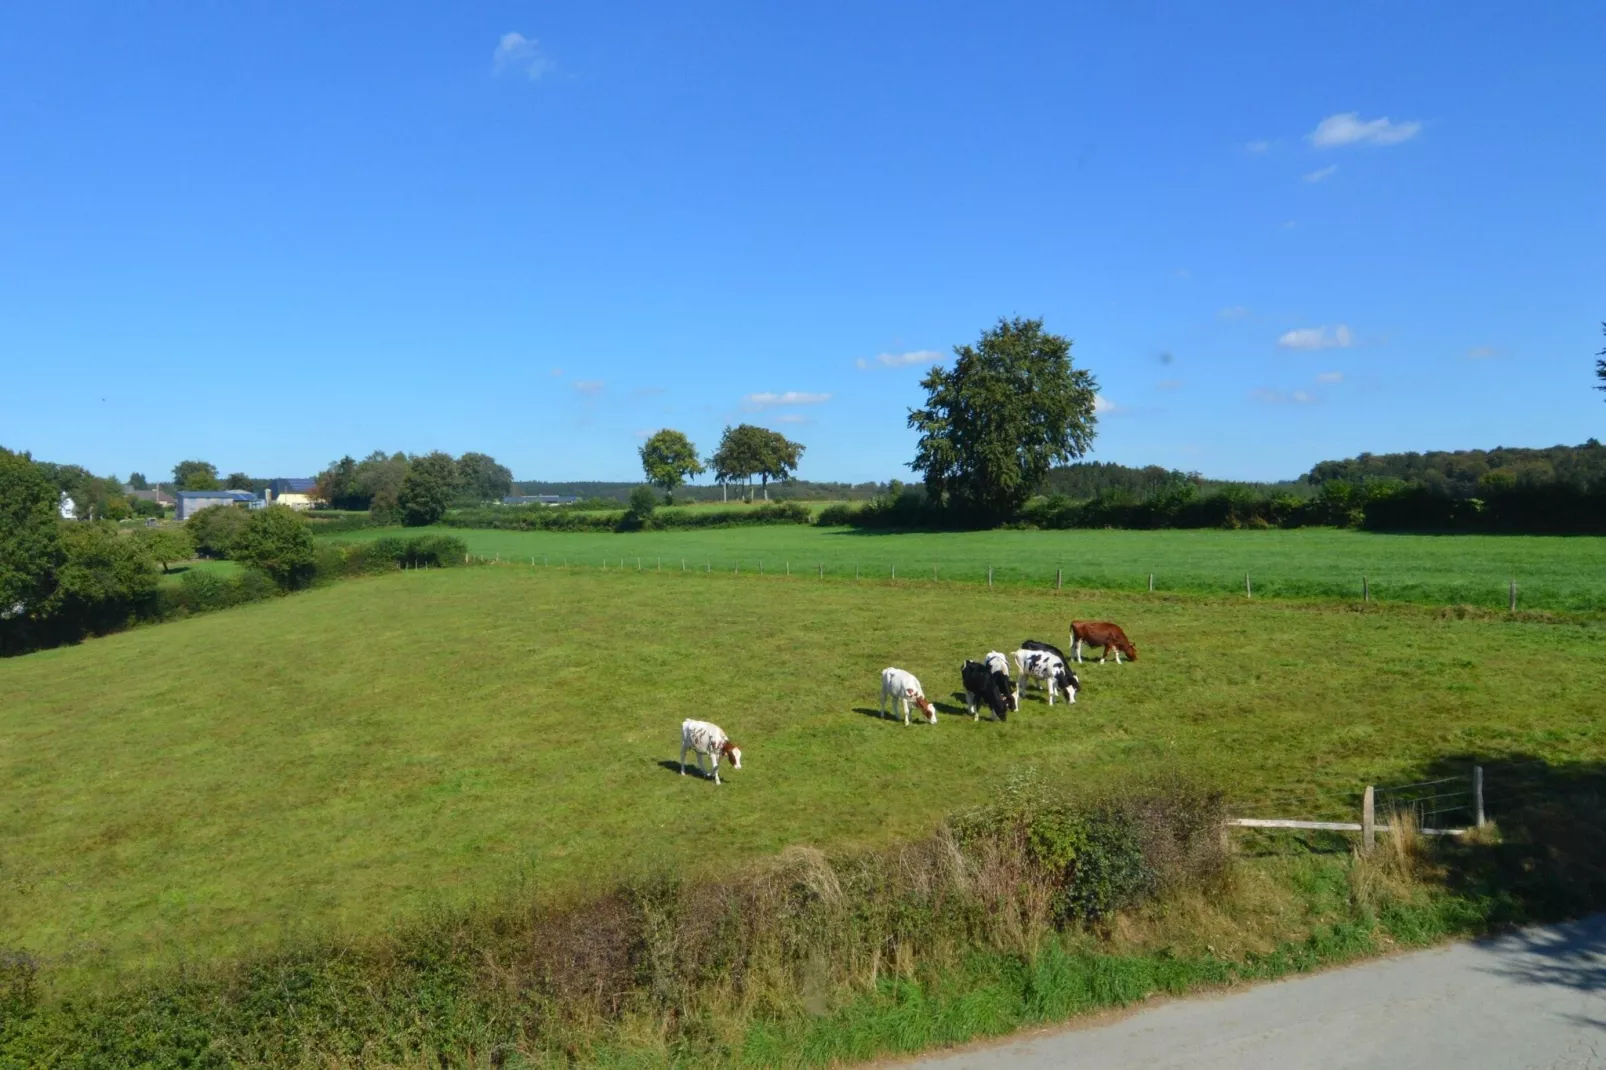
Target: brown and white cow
1101, 633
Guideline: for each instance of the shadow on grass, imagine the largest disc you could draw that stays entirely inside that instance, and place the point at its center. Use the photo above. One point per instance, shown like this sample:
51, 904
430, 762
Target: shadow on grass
691, 770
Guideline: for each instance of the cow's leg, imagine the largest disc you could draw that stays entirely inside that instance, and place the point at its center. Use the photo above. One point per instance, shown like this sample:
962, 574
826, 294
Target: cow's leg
683, 757
714, 760
1051, 691
1076, 649
1118, 655
884, 704
970, 704
905, 701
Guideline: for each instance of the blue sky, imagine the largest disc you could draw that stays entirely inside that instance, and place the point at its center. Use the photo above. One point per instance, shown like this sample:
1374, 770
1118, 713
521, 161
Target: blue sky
270, 234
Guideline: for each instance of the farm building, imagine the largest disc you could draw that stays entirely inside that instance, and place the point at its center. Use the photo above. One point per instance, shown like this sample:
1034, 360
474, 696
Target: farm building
540, 499
157, 495
296, 493
191, 502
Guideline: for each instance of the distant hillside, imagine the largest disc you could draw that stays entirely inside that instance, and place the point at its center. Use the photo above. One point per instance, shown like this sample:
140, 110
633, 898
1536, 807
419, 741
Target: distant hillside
1089, 479
1473, 473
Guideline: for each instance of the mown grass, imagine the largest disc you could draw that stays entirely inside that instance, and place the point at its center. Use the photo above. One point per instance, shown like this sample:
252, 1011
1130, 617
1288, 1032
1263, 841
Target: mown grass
329, 762
223, 569
1552, 572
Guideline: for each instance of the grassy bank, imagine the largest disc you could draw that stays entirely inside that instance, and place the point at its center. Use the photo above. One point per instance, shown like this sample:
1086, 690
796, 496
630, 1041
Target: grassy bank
336, 761
1552, 572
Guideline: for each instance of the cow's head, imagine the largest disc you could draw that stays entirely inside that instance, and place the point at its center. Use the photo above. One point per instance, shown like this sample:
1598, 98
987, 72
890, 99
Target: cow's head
732, 753
1068, 682
925, 706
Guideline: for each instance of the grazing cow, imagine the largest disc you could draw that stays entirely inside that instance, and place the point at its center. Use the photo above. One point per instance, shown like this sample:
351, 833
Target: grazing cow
1033, 644
981, 682
999, 665
1103, 634
1041, 665
704, 737
902, 687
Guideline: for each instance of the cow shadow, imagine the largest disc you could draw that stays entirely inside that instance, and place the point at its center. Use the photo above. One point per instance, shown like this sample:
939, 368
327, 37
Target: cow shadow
673, 766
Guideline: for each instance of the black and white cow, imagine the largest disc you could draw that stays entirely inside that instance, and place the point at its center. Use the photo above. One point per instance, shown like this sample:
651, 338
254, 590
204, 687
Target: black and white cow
1051, 669
1000, 669
1033, 644
981, 685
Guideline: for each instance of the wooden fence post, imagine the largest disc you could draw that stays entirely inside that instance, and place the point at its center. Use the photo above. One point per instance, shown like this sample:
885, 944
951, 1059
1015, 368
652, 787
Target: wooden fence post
1512, 605
1249, 591
638, 564
1059, 578
789, 568
989, 577
1477, 794
1368, 821
822, 570
855, 571
894, 571
1151, 583
1366, 590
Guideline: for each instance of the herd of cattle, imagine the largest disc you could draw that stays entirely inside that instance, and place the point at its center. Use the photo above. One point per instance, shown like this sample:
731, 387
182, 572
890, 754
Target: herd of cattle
986, 683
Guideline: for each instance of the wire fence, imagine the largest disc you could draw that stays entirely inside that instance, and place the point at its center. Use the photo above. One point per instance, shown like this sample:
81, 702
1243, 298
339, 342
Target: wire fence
1015, 576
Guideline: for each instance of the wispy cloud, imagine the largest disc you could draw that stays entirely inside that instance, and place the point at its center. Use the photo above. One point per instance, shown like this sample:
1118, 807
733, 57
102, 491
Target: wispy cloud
1330, 377
791, 418
1321, 174
1482, 353
1233, 312
1168, 384
1311, 338
1278, 397
516, 53
590, 387
901, 360
1257, 146
791, 397
1104, 405
647, 391
1348, 128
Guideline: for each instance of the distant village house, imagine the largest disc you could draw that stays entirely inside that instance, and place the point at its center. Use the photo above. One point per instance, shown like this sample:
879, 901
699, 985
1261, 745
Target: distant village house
191, 502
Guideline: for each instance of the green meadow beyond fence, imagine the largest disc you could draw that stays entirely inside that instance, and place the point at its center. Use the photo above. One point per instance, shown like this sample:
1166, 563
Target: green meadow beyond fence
1489, 572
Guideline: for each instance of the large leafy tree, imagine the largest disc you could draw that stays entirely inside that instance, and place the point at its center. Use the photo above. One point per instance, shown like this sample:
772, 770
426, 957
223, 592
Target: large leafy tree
429, 487
481, 479
30, 543
379, 481
778, 459
137, 481
1011, 408
237, 481
195, 475
337, 485
101, 583
277, 541
741, 454
669, 459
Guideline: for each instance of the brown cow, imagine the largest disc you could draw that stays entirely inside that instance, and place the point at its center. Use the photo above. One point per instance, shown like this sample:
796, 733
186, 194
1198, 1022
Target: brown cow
1101, 633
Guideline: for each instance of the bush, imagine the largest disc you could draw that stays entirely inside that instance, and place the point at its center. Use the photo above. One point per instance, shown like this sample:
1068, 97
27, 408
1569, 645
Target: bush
214, 529
277, 541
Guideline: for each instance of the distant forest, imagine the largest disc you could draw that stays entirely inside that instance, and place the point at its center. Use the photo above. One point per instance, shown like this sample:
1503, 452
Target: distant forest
1473, 473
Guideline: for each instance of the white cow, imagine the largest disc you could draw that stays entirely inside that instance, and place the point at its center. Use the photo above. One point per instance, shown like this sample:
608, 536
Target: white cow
902, 687
705, 737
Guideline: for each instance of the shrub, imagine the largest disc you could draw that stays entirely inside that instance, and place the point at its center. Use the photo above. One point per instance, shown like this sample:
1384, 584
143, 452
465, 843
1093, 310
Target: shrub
214, 529
277, 541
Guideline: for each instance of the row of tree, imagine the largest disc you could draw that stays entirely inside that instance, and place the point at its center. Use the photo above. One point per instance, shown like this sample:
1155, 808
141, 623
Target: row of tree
669, 459
414, 489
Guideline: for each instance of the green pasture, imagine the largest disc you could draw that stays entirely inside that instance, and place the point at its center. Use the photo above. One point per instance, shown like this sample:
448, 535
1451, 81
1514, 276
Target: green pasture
1551, 572
221, 569
330, 761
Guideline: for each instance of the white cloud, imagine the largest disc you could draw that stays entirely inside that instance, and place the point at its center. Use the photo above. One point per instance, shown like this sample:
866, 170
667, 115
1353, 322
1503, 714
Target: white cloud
1482, 353
1321, 173
1277, 397
1233, 312
1102, 404
1257, 146
902, 360
516, 52
1330, 377
644, 434
588, 386
1309, 338
1349, 128
791, 397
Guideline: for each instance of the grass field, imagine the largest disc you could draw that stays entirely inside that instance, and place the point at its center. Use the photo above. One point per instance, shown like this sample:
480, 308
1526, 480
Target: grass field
1554, 573
222, 569
332, 760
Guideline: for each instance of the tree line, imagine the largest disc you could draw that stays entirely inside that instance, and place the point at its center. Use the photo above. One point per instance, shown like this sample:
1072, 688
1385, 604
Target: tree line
412, 489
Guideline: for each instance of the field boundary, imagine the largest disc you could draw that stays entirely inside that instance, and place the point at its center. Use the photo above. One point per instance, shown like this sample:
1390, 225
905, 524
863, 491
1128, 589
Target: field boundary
1422, 799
